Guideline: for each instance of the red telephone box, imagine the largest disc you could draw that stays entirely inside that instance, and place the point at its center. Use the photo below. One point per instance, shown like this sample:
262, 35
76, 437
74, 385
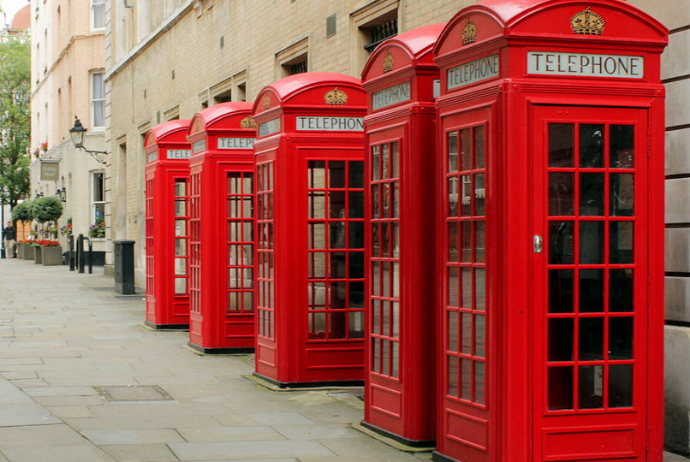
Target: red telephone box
310, 230
401, 78
167, 238
222, 229
552, 231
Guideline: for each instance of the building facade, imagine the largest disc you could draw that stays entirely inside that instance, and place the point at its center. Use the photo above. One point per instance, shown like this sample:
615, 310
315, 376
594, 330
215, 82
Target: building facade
67, 74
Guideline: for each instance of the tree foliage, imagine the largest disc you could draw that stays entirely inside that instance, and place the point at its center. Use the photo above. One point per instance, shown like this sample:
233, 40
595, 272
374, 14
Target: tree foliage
23, 211
46, 209
15, 119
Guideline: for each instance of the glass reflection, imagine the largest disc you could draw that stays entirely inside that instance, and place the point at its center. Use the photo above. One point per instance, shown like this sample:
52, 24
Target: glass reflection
561, 194
591, 194
560, 242
561, 339
480, 289
356, 174
621, 290
591, 339
622, 242
561, 142
621, 385
453, 331
560, 383
375, 153
465, 149
316, 175
622, 194
591, 291
452, 152
622, 146
590, 387
591, 242
336, 174
561, 291
621, 338
591, 145
479, 147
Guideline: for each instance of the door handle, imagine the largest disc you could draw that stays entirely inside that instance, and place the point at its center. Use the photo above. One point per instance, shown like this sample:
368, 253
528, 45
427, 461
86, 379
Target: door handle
538, 243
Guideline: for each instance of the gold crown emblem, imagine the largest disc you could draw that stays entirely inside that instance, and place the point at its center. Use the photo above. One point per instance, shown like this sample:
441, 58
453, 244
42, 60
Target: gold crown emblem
469, 33
267, 102
336, 97
248, 122
587, 23
387, 63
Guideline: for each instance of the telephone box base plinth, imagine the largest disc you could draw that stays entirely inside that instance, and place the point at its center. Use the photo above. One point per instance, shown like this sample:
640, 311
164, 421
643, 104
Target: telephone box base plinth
220, 351
401, 443
303, 385
436, 457
175, 327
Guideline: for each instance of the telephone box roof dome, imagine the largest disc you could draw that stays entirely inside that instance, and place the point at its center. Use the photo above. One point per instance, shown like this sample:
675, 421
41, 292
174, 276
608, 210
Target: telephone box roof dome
288, 87
213, 114
416, 40
167, 129
575, 21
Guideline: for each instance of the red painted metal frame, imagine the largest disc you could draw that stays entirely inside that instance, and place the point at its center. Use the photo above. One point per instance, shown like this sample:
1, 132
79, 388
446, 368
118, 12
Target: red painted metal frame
401, 403
165, 309
215, 326
514, 424
285, 354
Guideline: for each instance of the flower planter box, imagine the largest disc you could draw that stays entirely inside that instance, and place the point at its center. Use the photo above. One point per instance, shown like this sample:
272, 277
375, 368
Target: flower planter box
26, 251
38, 255
51, 256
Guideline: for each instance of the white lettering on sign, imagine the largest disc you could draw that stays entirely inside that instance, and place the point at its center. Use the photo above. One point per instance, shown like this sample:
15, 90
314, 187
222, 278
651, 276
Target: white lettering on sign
390, 96
330, 124
199, 146
235, 143
270, 127
585, 65
153, 156
472, 72
179, 153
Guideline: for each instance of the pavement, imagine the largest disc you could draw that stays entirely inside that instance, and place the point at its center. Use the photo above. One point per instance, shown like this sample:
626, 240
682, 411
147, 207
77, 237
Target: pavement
82, 380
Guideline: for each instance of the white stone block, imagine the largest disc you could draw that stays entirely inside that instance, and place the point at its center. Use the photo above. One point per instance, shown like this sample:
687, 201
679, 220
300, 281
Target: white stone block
678, 250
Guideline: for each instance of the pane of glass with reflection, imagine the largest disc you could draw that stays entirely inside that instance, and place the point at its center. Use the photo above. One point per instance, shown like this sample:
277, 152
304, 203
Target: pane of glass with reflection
561, 291
621, 337
337, 324
622, 200
337, 235
337, 265
453, 197
479, 195
453, 376
480, 335
466, 379
180, 207
317, 264
356, 294
356, 234
561, 193
561, 145
621, 290
592, 145
337, 204
316, 175
479, 382
375, 165
466, 195
560, 384
591, 194
622, 146
356, 325
621, 385
453, 331
591, 291
395, 359
385, 162
453, 286
453, 241
180, 266
590, 387
452, 152
395, 170
479, 242
355, 266
591, 339
336, 174
466, 288
465, 149
180, 286
317, 235
355, 174
479, 147
180, 227
466, 241
560, 242
622, 240
466, 333
180, 247
356, 205
317, 204
561, 339
591, 242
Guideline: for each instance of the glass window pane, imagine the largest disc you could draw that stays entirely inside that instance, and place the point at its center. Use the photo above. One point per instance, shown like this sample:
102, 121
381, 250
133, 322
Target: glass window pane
317, 235
385, 162
317, 204
395, 359
337, 235
466, 241
591, 145
376, 355
453, 376
453, 331
466, 379
375, 202
317, 264
336, 174
560, 383
317, 325
337, 204
395, 239
591, 339
465, 150
356, 294
180, 266
590, 387
591, 242
375, 166
622, 241
180, 207
452, 152
453, 197
395, 319
560, 242
453, 241
560, 291
395, 160
622, 146
621, 290
248, 301
180, 188
356, 325
355, 265
591, 291
386, 357
466, 288
180, 247
316, 175
356, 234
621, 338
180, 227
337, 265
479, 335
479, 382
395, 199
466, 334
453, 286
395, 279
337, 327
356, 205
561, 339
180, 286
561, 142
376, 278
356, 174
376, 315
479, 242
479, 147
622, 194
479, 195
385, 200
560, 194
621, 385
592, 194
480, 289
466, 195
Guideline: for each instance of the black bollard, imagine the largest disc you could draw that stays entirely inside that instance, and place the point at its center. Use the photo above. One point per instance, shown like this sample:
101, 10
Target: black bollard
80, 253
70, 254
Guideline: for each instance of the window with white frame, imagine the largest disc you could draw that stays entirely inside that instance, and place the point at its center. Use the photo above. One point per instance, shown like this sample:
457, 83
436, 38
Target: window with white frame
98, 196
97, 100
98, 14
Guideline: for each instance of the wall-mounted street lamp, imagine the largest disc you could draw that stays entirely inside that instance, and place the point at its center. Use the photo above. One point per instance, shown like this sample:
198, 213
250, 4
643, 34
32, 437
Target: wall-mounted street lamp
62, 194
77, 135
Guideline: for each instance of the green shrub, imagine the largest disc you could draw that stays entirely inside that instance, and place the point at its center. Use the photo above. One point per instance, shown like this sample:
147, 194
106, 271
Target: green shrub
23, 211
46, 209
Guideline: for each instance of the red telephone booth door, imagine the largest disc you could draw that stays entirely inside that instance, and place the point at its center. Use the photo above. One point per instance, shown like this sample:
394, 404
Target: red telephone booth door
590, 196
